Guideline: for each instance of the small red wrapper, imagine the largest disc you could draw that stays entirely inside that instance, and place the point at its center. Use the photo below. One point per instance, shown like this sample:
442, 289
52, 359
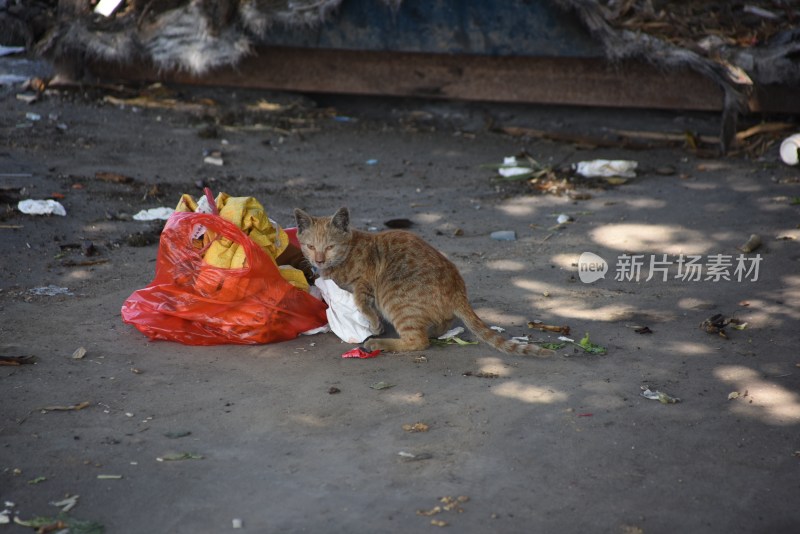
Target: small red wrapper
359, 352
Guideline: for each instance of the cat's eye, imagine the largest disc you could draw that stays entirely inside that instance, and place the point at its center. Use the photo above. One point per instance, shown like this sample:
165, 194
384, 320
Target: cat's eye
329, 247
310, 247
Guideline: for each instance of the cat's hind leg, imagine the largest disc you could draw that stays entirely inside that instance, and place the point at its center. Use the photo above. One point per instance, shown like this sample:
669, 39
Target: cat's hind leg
411, 339
413, 336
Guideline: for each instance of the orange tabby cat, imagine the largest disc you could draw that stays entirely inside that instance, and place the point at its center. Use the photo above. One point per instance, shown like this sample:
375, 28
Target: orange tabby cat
398, 276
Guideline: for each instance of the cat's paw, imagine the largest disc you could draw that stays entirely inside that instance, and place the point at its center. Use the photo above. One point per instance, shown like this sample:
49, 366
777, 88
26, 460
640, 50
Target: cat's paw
373, 344
376, 329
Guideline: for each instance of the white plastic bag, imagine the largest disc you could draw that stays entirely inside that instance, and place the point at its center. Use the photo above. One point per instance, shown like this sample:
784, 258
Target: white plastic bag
41, 207
344, 318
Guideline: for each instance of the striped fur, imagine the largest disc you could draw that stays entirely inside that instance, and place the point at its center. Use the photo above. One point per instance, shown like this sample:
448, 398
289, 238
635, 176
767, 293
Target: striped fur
398, 276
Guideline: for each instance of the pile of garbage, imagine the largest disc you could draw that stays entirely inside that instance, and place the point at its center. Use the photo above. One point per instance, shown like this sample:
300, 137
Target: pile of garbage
738, 45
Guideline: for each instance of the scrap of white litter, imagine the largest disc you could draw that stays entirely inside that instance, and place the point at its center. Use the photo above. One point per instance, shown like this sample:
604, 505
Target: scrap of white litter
67, 504
508, 172
237, 523
11, 50
453, 332
605, 168
511, 168
154, 214
790, 148
107, 7
50, 291
41, 207
565, 338
202, 207
499, 329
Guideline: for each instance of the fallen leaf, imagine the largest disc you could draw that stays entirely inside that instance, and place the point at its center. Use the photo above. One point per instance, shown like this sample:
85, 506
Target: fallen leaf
37, 480
62, 523
79, 353
74, 407
452, 340
410, 457
590, 347
382, 385
643, 330
539, 325
733, 395
17, 360
113, 177
109, 477
179, 456
552, 346
751, 244
438, 523
433, 511
416, 427
178, 434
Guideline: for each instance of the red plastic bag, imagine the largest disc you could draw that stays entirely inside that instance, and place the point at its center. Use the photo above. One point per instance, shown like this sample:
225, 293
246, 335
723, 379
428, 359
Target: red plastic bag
194, 303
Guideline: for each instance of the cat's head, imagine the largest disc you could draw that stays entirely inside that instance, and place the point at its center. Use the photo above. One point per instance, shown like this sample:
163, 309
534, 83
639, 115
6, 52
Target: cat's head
324, 240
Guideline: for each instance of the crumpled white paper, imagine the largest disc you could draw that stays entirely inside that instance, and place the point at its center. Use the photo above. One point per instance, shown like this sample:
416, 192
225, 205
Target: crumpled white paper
344, 318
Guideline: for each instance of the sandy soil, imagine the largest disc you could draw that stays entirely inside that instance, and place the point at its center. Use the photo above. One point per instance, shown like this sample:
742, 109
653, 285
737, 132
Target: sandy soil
566, 444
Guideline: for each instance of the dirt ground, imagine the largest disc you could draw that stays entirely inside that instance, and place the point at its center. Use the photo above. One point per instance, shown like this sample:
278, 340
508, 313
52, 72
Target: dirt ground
565, 444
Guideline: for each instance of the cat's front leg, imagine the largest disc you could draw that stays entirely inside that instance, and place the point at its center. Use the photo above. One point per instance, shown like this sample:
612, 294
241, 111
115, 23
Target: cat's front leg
365, 300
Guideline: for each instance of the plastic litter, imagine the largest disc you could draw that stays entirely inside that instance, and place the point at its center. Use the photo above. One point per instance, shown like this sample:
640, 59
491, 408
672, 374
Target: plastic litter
107, 7
344, 317
600, 168
564, 219
511, 168
154, 214
50, 291
790, 148
360, 352
197, 303
504, 235
41, 207
453, 332
660, 396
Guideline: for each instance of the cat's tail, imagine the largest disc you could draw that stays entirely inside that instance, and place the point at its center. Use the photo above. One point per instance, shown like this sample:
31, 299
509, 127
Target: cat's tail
471, 320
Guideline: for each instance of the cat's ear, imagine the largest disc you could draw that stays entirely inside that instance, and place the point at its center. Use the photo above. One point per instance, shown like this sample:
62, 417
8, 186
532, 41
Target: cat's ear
341, 220
303, 220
